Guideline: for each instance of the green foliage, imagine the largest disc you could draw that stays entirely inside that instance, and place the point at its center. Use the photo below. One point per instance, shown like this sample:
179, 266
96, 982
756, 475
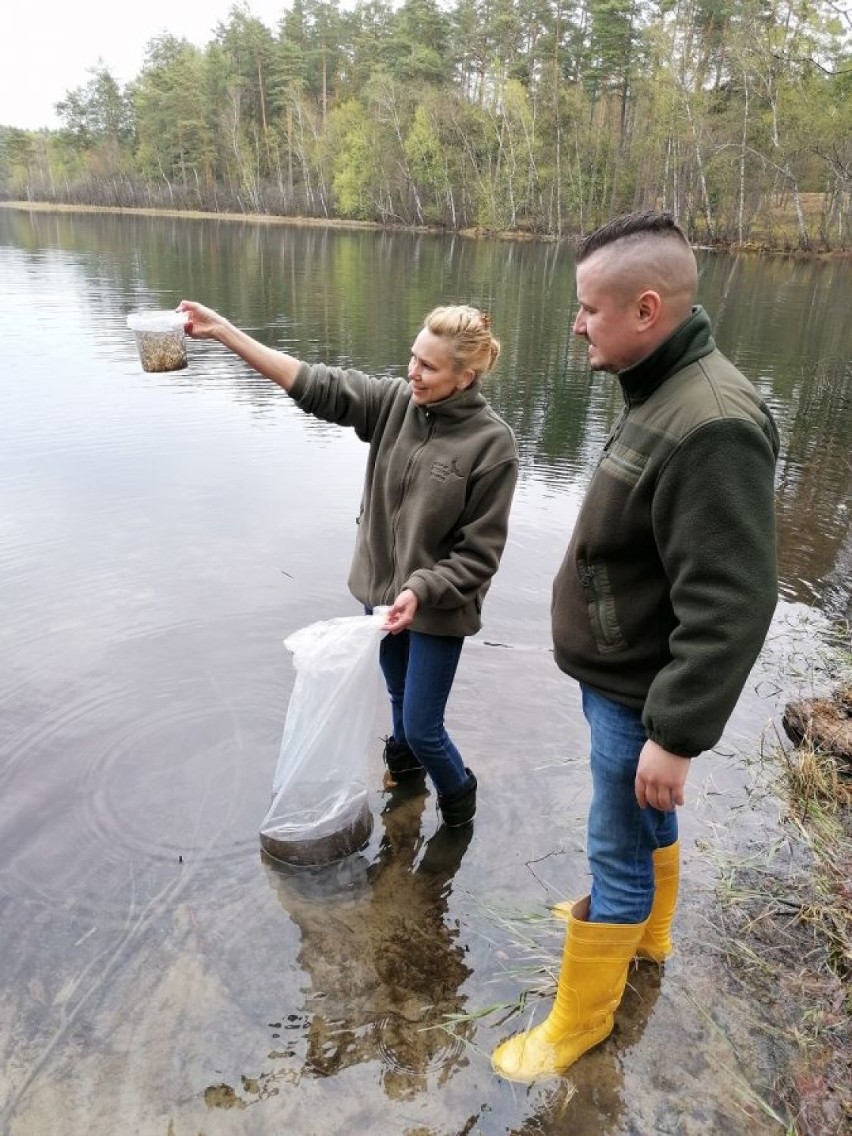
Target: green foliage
98, 112
542, 115
355, 170
175, 135
17, 149
418, 47
426, 158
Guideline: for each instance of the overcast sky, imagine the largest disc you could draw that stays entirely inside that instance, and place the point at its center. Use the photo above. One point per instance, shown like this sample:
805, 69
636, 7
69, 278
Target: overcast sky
48, 46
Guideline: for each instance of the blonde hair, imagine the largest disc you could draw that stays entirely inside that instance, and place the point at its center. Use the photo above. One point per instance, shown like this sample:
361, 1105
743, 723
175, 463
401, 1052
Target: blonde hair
469, 332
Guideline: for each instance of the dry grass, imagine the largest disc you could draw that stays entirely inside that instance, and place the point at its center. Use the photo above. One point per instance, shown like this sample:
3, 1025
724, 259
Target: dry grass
788, 924
776, 227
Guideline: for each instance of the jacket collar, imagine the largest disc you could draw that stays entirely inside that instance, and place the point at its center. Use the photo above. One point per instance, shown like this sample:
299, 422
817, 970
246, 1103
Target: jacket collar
691, 341
460, 404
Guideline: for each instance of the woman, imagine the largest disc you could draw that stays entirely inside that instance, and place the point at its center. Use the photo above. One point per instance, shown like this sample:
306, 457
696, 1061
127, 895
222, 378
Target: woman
440, 476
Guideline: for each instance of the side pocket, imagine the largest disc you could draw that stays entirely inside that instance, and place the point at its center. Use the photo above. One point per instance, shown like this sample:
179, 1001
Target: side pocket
600, 605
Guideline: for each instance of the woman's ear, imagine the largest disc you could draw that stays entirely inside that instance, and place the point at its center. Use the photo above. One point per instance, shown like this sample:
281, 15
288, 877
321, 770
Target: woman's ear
465, 379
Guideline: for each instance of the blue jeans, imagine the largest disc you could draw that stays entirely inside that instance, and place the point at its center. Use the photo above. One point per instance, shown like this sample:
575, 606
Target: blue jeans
419, 671
621, 837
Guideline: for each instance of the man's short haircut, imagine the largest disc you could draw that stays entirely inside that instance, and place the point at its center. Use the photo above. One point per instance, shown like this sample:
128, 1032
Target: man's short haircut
641, 224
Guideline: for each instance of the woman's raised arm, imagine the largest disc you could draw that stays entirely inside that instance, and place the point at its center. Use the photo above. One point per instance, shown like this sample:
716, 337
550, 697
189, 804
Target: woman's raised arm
204, 323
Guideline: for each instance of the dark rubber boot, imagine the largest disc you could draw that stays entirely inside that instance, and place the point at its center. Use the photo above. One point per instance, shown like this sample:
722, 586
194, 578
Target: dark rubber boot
443, 853
458, 808
401, 763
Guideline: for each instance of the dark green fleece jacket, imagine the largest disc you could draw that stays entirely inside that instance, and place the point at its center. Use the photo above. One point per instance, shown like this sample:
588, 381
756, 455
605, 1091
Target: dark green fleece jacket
437, 491
669, 583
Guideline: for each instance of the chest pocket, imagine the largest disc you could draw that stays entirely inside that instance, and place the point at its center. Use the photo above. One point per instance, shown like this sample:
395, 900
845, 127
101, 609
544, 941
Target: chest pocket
624, 463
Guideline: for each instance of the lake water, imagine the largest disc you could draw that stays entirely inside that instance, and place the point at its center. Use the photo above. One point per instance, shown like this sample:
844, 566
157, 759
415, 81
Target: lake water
163, 534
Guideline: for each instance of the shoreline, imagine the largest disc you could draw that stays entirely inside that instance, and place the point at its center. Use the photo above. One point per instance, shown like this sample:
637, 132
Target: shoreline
343, 224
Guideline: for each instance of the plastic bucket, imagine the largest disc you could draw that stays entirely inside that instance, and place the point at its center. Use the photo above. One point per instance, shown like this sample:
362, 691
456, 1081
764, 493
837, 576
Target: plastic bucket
160, 339
308, 834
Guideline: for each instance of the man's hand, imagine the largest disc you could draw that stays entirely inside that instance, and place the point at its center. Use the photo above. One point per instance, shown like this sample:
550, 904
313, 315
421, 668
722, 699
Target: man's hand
660, 777
402, 612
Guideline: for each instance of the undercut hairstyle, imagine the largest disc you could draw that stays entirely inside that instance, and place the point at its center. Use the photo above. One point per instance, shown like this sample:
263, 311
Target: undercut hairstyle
469, 333
647, 223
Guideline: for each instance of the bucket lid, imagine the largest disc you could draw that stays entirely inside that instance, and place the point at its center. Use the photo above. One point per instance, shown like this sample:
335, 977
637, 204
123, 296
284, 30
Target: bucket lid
157, 321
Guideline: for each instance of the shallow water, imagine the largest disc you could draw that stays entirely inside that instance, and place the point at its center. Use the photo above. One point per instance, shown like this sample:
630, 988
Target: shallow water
162, 535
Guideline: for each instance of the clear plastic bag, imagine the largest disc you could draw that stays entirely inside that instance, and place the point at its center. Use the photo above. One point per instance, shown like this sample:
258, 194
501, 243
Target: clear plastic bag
319, 811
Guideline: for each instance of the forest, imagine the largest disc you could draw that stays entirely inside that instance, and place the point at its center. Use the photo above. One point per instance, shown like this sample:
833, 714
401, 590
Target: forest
538, 117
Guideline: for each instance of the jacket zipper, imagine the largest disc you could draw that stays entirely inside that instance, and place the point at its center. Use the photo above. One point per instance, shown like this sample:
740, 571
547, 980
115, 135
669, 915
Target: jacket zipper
430, 419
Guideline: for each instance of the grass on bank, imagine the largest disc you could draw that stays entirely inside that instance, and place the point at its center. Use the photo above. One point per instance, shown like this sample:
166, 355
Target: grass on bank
788, 918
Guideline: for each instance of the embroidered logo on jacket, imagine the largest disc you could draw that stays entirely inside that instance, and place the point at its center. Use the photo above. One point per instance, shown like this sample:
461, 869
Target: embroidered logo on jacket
441, 471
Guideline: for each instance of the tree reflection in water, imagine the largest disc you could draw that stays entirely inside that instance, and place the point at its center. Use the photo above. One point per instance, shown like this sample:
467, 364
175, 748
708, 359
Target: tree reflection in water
385, 966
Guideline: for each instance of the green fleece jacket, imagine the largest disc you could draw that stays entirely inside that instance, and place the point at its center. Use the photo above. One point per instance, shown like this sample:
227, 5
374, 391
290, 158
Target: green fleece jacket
437, 491
669, 583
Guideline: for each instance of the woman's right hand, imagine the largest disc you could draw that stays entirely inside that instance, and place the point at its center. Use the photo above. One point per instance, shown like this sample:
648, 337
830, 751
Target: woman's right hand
401, 613
202, 323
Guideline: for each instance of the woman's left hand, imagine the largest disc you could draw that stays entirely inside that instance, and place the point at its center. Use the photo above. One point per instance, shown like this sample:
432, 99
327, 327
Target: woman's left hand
402, 612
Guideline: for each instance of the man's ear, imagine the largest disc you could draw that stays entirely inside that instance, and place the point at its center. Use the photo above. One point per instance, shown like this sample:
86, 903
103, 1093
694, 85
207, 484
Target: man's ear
648, 309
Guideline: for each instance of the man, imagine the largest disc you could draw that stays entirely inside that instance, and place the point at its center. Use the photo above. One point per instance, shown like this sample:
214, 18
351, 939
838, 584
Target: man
660, 607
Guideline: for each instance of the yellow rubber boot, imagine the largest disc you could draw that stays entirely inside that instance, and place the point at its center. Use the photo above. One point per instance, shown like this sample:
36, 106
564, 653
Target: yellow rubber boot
656, 943
591, 982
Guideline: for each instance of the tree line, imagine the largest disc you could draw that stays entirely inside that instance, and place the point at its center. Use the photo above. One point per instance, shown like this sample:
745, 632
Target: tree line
537, 116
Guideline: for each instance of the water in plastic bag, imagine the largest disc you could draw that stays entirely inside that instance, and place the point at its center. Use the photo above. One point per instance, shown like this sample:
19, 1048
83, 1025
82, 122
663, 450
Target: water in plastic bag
319, 811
